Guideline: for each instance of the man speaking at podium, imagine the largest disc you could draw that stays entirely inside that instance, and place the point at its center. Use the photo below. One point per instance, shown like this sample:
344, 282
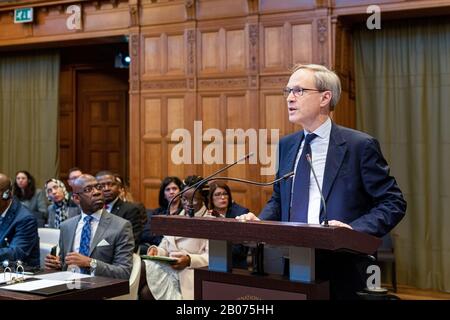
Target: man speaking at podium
351, 171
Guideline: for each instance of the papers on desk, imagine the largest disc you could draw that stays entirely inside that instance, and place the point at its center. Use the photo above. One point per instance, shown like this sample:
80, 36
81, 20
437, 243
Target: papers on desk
29, 286
62, 276
8, 276
45, 284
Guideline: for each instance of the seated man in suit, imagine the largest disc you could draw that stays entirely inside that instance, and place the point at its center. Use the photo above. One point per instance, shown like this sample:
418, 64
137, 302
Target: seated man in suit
95, 241
74, 173
358, 190
127, 210
19, 238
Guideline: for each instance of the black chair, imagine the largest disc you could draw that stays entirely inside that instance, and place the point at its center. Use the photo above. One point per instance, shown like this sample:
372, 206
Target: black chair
385, 255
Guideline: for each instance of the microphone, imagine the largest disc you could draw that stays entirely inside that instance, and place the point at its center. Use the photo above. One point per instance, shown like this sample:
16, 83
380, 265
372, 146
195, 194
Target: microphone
286, 176
325, 216
199, 183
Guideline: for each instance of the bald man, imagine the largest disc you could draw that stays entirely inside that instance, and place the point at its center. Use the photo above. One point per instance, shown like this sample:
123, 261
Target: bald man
19, 238
96, 241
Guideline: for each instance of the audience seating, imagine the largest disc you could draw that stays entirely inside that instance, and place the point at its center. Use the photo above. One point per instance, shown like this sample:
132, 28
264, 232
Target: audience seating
48, 238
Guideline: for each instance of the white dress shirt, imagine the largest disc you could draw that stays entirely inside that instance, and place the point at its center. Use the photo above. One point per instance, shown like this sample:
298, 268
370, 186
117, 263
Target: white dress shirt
319, 151
94, 224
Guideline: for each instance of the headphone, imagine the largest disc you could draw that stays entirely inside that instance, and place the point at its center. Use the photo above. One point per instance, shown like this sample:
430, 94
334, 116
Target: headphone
6, 195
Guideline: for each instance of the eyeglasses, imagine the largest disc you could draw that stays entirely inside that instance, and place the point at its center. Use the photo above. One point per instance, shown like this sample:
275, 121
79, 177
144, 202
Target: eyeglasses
297, 91
89, 189
221, 194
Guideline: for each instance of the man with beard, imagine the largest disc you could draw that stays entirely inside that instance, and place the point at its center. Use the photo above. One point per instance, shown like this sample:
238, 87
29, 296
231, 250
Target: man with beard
96, 241
127, 210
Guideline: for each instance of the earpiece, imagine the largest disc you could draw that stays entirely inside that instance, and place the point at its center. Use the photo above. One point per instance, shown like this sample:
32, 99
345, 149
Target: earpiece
6, 194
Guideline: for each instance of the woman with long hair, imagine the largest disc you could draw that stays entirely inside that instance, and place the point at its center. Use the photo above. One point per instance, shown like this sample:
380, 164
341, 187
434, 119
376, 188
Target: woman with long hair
24, 189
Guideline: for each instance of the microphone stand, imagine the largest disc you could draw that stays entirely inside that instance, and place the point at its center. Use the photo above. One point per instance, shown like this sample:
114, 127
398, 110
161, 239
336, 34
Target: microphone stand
258, 263
199, 183
256, 183
325, 216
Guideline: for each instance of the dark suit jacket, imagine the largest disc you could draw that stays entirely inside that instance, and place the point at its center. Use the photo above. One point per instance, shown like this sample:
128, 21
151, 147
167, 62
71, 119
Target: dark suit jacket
112, 245
357, 187
131, 212
19, 226
236, 210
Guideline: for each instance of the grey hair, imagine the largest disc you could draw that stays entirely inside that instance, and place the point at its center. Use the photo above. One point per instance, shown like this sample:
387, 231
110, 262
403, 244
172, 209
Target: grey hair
325, 80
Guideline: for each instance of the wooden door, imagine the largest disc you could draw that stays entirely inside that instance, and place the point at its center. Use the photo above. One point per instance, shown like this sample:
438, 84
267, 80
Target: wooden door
102, 142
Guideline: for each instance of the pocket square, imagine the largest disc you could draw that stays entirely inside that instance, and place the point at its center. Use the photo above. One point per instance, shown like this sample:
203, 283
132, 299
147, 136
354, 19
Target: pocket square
103, 243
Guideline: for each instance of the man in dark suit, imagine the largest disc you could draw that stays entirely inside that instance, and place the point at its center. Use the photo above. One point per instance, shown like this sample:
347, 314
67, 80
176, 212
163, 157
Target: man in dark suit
95, 241
19, 238
351, 170
74, 173
127, 210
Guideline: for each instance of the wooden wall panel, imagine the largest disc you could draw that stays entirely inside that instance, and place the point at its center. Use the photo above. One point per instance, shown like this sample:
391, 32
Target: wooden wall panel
152, 160
175, 114
302, 43
273, 50
152, 56
152, 116
270, 6
150, 195
211, 52
175, 54
66, 122
235, 45
214, 9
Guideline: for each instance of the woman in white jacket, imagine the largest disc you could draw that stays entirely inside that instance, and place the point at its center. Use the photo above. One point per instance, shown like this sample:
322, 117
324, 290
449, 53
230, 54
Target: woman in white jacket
174, 280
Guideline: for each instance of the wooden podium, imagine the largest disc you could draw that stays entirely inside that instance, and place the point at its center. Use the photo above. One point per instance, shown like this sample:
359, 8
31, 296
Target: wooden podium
219, 281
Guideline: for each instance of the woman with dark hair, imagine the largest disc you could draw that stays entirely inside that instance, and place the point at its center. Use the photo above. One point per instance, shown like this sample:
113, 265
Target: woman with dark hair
221, 204
24, 189
170, 186
221, 201
174, 280
59, 209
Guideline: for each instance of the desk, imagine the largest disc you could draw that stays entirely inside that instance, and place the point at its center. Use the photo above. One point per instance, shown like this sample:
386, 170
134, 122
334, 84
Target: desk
94, 288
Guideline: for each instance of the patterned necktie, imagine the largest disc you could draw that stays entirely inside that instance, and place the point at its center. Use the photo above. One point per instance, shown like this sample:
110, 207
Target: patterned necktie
85, 241
300, 196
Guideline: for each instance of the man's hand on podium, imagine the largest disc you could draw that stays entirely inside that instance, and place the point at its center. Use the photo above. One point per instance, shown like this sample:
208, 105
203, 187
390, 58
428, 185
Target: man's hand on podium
248, 217
336, 223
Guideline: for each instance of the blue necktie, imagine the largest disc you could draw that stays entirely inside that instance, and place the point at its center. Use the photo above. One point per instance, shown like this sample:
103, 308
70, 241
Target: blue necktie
85, 241
300, 196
